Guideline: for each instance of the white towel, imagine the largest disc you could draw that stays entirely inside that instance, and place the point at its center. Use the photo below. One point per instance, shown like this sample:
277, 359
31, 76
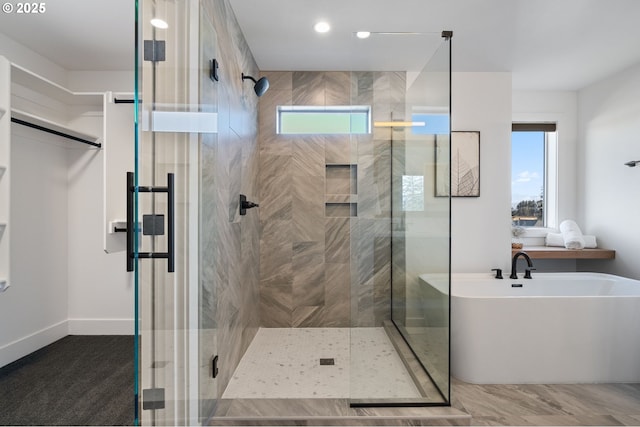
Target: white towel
571, 234
556, 239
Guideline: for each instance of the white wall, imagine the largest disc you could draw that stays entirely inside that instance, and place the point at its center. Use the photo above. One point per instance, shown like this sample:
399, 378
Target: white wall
33, 311
100, 291
481, 232
609, 131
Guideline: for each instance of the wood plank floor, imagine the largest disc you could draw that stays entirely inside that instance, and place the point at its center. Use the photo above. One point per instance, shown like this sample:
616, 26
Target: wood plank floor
499, 405
549, 404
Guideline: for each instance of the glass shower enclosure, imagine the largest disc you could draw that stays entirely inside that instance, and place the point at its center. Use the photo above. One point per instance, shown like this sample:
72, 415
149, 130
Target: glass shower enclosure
170, 226
400, 234
175, 211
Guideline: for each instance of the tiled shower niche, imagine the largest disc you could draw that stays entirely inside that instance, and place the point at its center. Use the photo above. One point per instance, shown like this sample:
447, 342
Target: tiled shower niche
341, 190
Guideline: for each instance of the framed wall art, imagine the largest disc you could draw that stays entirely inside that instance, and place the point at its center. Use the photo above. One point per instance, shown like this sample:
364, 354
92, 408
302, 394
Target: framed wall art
465, 165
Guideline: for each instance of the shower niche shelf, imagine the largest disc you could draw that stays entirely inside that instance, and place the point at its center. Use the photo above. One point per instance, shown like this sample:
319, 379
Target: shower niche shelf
341, 190
340, 210
341, 178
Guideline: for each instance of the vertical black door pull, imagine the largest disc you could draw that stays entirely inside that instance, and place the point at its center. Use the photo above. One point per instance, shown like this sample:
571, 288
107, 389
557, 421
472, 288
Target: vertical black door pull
131, 190
132, 223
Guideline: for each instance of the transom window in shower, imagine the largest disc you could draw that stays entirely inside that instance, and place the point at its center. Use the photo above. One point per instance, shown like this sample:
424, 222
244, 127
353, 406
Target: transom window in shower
533, 178
347, 119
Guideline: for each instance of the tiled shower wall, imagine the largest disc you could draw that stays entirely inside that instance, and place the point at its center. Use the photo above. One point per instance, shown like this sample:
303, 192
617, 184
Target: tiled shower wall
229, 243
325, 204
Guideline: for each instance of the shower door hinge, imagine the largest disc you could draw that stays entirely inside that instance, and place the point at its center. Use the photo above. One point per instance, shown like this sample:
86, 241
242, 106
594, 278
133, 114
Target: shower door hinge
154, 50
153, 398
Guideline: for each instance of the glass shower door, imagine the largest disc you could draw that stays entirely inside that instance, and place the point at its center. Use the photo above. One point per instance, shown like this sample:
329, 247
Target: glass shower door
400, 233
176, 125
421, 218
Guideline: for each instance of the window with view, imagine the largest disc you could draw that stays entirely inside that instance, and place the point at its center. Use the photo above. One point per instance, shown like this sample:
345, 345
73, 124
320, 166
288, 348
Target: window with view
323, 120
533, 174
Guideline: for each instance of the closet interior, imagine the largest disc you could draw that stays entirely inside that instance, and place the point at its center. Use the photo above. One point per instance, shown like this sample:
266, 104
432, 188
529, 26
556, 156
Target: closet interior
60, 250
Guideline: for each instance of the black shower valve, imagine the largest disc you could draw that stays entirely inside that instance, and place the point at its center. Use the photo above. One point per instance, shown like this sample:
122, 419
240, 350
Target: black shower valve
245, 204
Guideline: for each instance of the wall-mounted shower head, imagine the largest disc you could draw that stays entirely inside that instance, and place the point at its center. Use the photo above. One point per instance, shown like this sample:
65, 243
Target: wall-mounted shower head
260, 86
632, 163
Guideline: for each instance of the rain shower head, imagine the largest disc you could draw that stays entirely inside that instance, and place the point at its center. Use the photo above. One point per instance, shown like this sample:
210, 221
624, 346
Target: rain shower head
632, 163
260, 86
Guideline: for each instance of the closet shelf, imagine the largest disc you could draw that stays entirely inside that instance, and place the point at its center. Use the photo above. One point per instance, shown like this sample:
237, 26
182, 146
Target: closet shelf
26, 78
53, 127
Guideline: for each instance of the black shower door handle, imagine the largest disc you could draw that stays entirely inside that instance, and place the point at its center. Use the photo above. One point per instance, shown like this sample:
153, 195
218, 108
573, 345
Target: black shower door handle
132, 224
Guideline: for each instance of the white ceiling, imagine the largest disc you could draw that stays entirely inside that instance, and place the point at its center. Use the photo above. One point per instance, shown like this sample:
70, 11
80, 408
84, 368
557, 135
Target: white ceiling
546, 44
79, 35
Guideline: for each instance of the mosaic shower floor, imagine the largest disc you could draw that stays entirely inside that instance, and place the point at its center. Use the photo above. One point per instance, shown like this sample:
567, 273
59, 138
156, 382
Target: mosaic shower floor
285, 363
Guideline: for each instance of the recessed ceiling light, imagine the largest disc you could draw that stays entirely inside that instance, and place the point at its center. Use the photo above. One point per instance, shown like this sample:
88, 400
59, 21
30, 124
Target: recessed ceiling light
363, 34
322, 27
159, 23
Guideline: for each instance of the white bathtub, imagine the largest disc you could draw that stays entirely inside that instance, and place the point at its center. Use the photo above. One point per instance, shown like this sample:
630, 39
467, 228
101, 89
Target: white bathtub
556, 328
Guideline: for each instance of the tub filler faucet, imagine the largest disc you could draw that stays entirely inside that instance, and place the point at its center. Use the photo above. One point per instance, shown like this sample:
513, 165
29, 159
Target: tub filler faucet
514, 263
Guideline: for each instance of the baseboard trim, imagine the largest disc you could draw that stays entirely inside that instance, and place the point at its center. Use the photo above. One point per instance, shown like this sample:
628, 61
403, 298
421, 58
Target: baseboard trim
101, 327
35, 341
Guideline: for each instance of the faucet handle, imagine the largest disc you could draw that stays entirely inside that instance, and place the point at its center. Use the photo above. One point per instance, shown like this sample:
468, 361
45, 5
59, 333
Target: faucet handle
527, 273
498, 272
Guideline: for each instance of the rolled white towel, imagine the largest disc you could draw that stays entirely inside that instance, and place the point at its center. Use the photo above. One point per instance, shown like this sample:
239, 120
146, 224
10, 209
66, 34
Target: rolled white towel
556, 239
571, 234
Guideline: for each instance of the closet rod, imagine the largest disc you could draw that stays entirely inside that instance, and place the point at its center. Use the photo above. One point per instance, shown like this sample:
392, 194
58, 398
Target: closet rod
55, 132
125, 101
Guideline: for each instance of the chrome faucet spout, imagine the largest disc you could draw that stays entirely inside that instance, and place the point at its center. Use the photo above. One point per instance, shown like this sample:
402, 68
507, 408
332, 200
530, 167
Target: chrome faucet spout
514, 263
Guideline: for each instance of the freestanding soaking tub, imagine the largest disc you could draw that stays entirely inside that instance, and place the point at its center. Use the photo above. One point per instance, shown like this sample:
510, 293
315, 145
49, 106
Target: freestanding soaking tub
554, 328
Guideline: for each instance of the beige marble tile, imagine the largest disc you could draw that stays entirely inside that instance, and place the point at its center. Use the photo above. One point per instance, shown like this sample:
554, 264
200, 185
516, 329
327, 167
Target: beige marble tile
337, 88
276, 252
308, 88
337, 240
270, 141
339, 149
362, 88
308, 209
279, 80
308, 156
337, 295
275, 187
308, 274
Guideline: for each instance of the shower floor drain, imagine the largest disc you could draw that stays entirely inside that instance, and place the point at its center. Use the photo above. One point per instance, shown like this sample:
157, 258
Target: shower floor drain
329, 361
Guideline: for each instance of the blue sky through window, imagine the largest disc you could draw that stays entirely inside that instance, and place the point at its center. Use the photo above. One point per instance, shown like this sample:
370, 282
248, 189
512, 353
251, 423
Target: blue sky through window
527, 166
435, 124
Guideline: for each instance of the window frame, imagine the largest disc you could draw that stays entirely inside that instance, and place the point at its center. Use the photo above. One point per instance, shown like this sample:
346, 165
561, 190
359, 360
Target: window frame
550, 214
322, 109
